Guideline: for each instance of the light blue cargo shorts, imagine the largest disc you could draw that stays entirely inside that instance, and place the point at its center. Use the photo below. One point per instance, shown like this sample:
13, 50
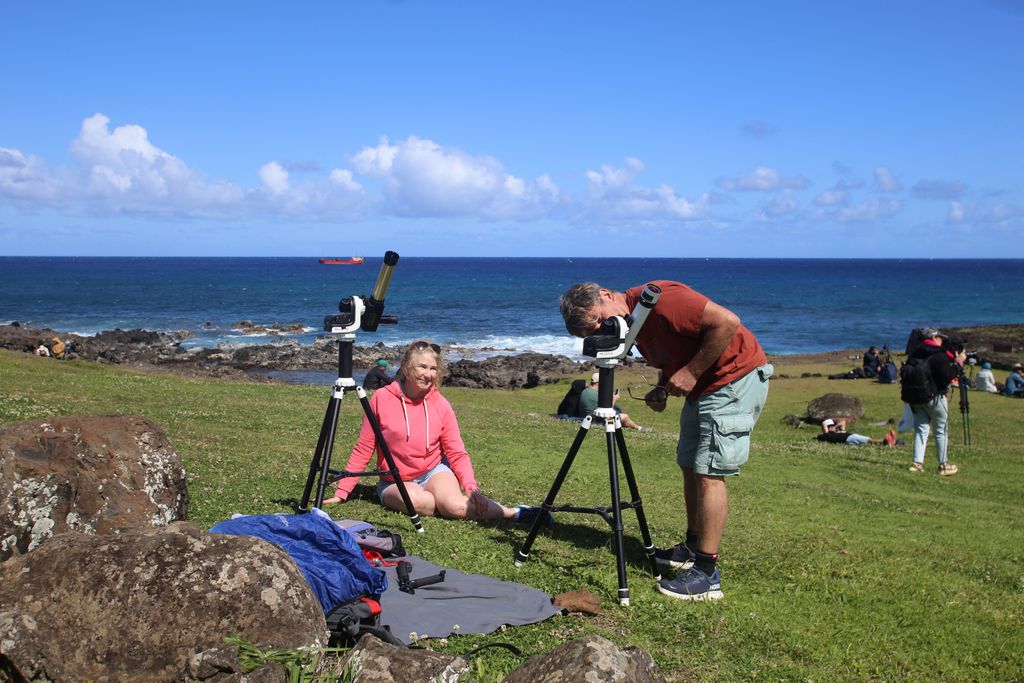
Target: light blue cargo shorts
714, 431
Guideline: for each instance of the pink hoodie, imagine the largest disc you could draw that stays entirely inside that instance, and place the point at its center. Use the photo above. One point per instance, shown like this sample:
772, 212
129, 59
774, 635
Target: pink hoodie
417, 432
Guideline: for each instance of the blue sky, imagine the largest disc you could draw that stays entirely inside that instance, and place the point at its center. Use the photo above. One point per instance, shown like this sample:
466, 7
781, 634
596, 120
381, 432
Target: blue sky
864, 129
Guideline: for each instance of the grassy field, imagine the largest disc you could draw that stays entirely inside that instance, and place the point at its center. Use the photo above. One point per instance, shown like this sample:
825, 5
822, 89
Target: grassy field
838, 564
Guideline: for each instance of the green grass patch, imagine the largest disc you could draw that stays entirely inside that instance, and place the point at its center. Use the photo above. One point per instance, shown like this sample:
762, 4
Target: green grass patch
838, 564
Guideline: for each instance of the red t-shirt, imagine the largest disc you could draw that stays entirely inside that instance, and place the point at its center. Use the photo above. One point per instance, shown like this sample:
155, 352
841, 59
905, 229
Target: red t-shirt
670, 337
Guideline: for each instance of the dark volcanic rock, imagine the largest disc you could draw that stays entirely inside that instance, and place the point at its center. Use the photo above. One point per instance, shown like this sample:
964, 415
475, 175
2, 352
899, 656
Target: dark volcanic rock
151, 605
92, 474
835, 406
158, 349
511, 372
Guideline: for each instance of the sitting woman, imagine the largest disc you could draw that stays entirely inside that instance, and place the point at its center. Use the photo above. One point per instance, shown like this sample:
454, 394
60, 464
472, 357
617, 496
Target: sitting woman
422, 433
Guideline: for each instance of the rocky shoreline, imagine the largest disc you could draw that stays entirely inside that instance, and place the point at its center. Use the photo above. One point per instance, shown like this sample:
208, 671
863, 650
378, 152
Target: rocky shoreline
161, 351
1001, 345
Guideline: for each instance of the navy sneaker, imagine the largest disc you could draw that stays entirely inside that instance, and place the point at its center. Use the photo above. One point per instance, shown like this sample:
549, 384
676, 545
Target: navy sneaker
678, 556
693, 584
526, 514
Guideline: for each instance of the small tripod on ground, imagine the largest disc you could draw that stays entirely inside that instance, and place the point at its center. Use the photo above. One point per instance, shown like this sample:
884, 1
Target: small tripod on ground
355, 314
608, 347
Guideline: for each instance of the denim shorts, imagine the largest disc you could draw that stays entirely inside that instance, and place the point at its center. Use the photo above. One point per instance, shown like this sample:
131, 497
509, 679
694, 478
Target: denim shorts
422, 480
714, 430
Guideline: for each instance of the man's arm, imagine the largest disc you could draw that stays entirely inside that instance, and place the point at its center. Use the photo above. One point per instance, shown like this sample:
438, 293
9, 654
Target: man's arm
717, 328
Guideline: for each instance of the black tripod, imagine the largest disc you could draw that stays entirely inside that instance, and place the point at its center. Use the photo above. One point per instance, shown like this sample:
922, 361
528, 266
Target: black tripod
355, 314
965, 407
608, 349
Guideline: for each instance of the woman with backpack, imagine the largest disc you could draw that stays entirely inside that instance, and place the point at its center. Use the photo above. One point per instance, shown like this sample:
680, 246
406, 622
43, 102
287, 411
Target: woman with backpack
925, 379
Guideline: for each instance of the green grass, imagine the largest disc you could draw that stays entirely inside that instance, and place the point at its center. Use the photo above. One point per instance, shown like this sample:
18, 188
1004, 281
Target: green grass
837, 564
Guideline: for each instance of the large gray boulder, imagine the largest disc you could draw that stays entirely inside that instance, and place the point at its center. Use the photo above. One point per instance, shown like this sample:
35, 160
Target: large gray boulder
592, 659
374, 661
152, 605
91, 474
835, 406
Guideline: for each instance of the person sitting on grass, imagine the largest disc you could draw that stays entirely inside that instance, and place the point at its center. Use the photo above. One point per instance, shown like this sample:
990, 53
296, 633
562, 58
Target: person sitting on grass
834, 431
57, 348
420, 428
986, 381
377, 376
1015, 382
589, 401
569, 407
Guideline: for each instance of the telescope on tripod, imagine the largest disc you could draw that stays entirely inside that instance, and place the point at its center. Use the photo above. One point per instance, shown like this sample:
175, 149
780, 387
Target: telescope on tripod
356, 313
608, 347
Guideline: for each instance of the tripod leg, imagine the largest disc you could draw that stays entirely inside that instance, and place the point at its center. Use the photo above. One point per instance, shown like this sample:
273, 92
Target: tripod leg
613, 477
414, 516
316, 464
333, 409
638, 505
523, 554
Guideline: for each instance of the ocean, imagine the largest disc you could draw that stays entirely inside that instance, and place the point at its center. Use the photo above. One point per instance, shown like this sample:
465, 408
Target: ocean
791, 305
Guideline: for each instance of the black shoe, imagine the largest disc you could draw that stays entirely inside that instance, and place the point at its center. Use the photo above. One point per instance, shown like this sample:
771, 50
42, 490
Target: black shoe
678, 556
526, 514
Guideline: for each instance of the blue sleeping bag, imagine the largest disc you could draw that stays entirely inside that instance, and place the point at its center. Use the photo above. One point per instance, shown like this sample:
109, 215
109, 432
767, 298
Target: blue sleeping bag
329, 558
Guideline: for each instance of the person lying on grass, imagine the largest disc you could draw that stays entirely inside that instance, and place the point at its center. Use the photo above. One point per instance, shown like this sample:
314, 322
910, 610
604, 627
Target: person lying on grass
834, 431
422, 433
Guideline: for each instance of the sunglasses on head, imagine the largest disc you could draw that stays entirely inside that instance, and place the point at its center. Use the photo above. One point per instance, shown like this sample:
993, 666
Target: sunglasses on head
421, 344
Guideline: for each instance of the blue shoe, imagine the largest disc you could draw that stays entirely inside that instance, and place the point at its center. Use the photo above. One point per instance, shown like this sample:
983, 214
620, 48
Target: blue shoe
693, 584
526, 514
678, 556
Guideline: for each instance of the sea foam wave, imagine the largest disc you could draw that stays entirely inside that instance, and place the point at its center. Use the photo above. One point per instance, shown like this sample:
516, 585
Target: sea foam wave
542, 343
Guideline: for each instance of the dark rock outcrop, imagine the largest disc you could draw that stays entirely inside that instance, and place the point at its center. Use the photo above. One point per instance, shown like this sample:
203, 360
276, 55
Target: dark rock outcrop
160, 350
512, 372
592, 659
91, 474
835, 406
152, 605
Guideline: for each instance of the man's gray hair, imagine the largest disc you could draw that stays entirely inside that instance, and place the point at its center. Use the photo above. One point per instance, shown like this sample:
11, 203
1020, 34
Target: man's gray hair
576, 304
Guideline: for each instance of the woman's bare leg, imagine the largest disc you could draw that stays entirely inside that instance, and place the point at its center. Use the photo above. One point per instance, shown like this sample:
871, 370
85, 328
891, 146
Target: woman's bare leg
422, 501
451, 502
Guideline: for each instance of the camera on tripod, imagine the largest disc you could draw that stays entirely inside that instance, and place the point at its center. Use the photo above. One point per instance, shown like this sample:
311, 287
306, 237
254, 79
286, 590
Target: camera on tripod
362, 312
956, 346
609, 340
614, 338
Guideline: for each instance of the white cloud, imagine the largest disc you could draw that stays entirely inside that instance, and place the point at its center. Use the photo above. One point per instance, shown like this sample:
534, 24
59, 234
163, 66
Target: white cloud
26, 178
274, 178
124, 171
763, 179
422, 178
837, 196
956, 213
869, 210
885, 181
343, 177
612, 197
376, 160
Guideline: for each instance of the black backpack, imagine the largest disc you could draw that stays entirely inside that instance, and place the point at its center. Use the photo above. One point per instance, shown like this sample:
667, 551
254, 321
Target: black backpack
888, 373
570, 405
916, 382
